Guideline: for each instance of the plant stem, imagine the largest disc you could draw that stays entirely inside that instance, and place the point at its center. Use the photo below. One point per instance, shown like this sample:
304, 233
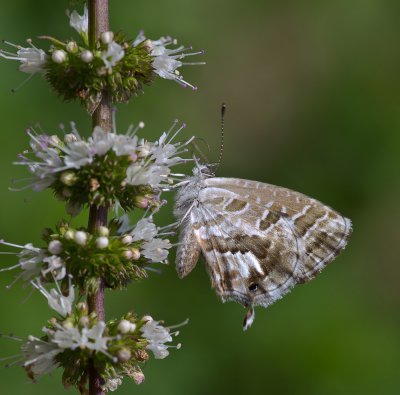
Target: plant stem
98, 23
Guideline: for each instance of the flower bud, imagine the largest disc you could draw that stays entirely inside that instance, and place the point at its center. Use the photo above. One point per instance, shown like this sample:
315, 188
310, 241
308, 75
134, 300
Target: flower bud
72, 47
141, 202
138, 377
147, 318
70, 138
86, 56
133, 157
127, 239
54, 140
102, 242
59, 56
103, 231
124, 355
94, 184
135, 254
69, 234
107, 37
80, 237
124, 326
82, 306
127, 254
55, 247
84, 320
68, 323
148, 45
68, 178
142, 355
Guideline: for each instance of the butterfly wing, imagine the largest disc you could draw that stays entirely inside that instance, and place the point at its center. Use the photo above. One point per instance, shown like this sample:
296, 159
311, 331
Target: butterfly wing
321, 232
246, 264
257, 248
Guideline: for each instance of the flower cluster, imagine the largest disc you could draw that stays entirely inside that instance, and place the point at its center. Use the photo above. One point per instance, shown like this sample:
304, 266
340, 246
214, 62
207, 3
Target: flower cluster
117, 254
106, 169
115, 63
117, 348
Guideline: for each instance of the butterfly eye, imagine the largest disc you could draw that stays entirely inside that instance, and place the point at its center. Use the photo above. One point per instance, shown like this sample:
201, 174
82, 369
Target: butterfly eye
253, 287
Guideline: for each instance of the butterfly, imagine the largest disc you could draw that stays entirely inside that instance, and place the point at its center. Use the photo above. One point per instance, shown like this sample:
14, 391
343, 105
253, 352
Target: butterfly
258, 240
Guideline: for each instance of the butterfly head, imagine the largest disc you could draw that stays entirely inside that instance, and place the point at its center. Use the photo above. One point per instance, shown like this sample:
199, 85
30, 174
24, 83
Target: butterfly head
203, 171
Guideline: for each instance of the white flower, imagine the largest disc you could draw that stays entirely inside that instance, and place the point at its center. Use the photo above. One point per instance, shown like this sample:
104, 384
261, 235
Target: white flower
138, 376
70, 337
124, 145
32, 59
56, 266
144, 148
164, 153
144, 230
157, 335
156, 250
113, 55
112, 384
30, 259
57, 301
167, 61
101, 141
96, 341
80, 23
40, 356
48, 161
153, 175
78, 154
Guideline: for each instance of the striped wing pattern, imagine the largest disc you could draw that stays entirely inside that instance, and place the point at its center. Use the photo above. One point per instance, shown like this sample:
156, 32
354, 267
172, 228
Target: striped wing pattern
259, 240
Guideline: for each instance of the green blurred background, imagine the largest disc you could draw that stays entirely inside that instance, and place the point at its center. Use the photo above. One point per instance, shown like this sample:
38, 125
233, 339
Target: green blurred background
313, 90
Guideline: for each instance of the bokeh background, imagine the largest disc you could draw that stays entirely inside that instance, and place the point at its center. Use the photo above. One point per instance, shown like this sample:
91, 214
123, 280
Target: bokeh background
313, 90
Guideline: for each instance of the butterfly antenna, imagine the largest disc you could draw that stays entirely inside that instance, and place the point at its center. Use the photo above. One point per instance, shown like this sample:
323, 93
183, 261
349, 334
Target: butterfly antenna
221, 149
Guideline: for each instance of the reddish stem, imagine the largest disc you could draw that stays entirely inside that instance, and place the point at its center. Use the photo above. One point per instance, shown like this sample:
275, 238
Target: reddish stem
98, 23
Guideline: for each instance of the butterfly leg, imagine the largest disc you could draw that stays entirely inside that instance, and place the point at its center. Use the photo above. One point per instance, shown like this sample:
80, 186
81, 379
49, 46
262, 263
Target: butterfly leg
249, 318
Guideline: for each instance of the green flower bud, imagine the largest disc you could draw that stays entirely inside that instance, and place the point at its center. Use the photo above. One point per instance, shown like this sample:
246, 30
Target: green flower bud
72, 47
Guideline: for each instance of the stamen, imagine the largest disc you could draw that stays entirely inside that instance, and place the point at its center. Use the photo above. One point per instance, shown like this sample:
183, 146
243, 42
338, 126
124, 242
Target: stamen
177, 132
27, 79
179, 325
11, 267
11, 336
171, 129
